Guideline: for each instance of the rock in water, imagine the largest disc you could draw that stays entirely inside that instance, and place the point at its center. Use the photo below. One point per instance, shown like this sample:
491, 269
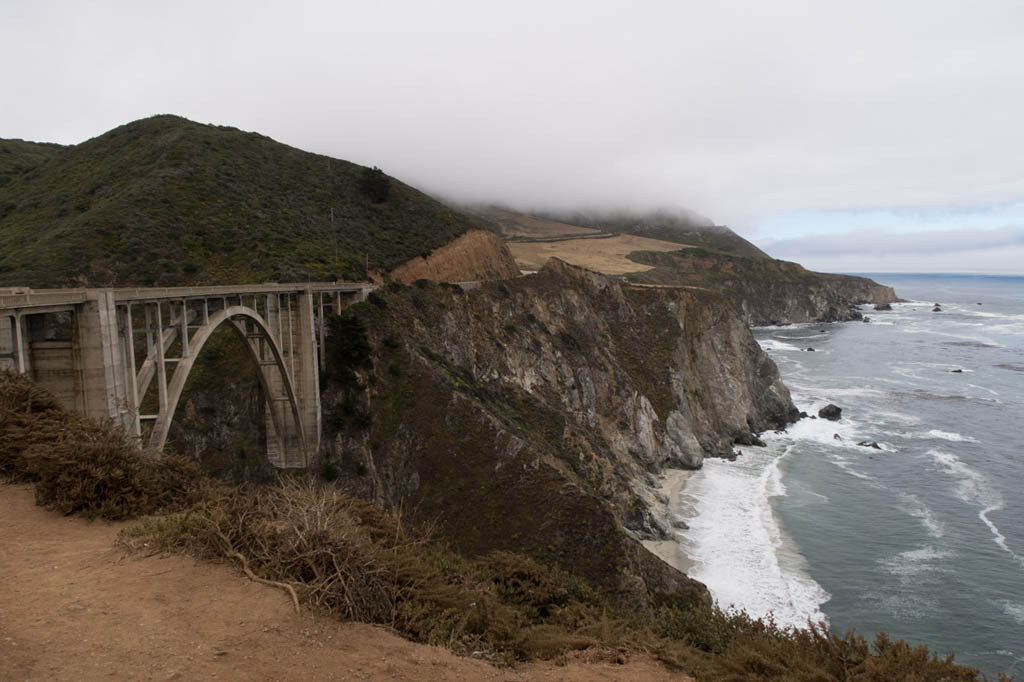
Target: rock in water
937, 309
883, 306
956, 371
870, 444
830, 412
810, 350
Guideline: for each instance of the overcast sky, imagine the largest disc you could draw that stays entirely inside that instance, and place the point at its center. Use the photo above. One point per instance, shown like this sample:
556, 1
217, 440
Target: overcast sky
855, 136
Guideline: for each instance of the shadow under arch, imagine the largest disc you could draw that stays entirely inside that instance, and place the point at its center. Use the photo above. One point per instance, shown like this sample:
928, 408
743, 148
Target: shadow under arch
231, 315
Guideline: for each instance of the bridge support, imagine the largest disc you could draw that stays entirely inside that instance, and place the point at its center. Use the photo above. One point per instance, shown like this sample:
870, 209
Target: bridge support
98, 362
86, 345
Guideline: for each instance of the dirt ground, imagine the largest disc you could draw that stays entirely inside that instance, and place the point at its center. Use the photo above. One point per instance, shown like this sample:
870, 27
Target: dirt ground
74, 607
606, 255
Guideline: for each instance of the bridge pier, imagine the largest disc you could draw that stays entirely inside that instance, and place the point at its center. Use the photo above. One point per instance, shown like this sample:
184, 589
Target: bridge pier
98, 362
84, 345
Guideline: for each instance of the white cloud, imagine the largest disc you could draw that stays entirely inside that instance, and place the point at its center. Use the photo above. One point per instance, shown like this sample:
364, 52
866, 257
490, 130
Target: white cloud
737, 109
992, 251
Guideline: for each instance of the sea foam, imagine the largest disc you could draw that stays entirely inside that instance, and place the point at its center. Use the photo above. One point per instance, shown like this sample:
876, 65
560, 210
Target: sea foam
739, 550
973, 488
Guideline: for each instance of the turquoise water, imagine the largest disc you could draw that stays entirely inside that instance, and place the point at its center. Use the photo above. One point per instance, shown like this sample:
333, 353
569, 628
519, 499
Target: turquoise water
923, 538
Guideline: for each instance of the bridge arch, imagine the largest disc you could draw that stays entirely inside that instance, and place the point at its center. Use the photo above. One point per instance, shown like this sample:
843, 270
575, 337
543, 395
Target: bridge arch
237, 317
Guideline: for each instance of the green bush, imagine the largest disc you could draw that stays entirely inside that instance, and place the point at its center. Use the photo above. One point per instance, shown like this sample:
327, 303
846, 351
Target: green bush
374, 184
347, 347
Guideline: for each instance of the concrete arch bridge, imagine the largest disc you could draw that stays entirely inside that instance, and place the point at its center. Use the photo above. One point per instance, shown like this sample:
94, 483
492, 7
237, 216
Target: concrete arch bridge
102, 351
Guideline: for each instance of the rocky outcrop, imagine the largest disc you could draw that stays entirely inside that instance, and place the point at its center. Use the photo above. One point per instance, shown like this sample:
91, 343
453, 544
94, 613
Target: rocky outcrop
831, 412
475, 255
767, 291
533, 414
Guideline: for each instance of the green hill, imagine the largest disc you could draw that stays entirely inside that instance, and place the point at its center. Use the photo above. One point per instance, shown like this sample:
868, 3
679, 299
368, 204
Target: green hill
166, 201
17, 157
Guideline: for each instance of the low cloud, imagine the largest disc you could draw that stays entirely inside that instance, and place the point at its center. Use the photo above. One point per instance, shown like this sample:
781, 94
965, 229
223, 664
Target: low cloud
736, 110
998, 250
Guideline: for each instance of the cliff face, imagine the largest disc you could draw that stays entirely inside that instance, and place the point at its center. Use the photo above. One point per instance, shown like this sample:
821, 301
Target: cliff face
767, 291
475, 255
531, 415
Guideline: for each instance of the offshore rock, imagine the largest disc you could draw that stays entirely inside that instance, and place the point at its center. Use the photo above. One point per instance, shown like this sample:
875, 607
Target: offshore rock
529, 415
830, 412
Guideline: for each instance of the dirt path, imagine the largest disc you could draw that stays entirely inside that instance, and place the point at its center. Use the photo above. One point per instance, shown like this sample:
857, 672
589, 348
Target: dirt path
72, 607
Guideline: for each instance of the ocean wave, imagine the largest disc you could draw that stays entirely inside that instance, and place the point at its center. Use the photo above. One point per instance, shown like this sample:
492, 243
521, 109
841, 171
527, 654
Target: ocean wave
919, 510
898, 417
982, 388
851, 392
936, 434
998, 316
845, 465
778, 346
913, 562
1014, 610
739, 550
976, 339
973, 488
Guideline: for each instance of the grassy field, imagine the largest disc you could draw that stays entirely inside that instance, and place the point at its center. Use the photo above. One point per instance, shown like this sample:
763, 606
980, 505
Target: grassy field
607, 255
166, 201
680, 227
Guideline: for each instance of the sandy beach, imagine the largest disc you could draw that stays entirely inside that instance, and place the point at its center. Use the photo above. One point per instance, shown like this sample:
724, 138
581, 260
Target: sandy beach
673, 552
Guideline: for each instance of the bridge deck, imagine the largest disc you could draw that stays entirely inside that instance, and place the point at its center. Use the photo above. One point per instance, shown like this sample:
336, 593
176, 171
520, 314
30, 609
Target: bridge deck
23, 297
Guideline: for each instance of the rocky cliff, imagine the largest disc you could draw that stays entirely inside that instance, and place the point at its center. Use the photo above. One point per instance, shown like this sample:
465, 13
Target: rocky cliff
767, 291
533, 414
475, 255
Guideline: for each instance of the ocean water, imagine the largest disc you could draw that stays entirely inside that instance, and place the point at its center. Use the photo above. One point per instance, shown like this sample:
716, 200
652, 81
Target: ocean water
923, 538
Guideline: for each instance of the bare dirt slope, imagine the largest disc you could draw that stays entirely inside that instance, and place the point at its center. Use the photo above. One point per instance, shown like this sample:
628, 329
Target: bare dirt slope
73, 607
475, 255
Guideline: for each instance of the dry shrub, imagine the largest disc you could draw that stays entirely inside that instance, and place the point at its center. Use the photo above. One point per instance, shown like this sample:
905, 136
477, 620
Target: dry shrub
734, 647
814, 655
29, 415
350, 558
80, 466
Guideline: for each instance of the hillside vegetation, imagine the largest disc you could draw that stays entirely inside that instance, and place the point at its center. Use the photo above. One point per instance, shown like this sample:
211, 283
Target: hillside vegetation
166, 201
337, 555
17, 157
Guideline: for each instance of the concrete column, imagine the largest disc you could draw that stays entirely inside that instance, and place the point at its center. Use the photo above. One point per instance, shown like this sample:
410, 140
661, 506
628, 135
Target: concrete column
161, 365
11, 356
276, 405
98, 363
19, 344
307, 372
321, 324
184, 329
129, 360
